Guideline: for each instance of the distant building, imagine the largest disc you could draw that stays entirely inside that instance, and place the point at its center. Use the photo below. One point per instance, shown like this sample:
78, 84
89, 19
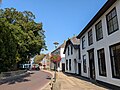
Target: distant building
46, 61
72, 56
100, 45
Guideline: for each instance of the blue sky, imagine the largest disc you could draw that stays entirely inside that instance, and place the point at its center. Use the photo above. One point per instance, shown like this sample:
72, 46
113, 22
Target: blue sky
61, 18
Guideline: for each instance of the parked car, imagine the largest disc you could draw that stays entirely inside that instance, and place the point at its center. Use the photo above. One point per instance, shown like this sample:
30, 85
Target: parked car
24, 66
35, 67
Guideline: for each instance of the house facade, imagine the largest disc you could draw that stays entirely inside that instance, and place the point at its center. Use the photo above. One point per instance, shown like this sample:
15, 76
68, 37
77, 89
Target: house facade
46, 62
100, 45
72, 56
61, 64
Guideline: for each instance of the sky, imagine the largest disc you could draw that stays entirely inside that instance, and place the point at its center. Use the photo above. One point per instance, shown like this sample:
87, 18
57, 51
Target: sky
62, 19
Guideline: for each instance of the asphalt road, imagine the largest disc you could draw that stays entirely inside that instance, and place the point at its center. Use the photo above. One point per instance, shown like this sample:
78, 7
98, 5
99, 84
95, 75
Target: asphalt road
35, 81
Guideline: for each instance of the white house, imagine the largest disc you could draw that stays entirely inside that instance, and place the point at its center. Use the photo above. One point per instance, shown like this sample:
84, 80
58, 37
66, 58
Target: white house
72, 56
100, 45
46, 61
59, 51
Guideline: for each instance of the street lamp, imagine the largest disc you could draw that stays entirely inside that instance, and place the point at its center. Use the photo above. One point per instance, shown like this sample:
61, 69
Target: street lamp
55, 63
56, 44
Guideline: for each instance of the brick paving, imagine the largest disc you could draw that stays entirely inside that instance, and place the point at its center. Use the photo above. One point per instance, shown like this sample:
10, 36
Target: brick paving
33, 82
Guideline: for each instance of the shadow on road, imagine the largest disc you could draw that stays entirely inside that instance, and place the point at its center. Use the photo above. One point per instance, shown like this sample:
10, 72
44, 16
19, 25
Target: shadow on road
48, 77
16, 80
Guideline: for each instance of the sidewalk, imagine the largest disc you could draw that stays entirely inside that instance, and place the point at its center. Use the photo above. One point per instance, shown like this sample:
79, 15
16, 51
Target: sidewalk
68, 82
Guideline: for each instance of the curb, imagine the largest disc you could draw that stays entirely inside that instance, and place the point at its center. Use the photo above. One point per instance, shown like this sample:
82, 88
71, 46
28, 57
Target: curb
49, 81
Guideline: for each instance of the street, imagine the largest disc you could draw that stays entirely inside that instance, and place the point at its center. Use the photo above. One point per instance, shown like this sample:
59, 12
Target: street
35, 81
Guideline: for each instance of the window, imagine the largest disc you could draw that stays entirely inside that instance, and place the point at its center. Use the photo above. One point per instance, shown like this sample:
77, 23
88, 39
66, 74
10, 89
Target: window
112, 22
101, 62
84, 64
69, 64
66, 64
68, 51
90, 38
83, 42
99, 32
79, 54
71, 50
115, 60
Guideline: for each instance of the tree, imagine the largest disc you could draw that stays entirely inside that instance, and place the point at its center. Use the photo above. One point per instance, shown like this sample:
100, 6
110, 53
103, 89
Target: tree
20, 37
39, 58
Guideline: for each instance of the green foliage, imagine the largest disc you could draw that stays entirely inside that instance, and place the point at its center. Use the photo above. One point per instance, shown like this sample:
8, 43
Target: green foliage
39, 58
20, 37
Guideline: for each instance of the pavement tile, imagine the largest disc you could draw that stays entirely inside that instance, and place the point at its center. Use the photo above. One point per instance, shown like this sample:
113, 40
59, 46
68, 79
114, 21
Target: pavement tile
69, 82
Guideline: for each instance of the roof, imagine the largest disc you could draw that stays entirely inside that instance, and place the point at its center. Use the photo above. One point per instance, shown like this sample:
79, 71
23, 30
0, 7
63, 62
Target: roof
74, 42
105, 7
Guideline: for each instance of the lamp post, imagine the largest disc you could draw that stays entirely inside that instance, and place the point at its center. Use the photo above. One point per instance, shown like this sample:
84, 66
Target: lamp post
56, 44
55, 63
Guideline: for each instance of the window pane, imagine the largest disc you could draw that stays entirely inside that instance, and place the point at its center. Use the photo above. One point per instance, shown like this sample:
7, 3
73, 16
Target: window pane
83, 42
90, 38
112, 21
99, 33
115, 26
101, 62
110, 25
109, 16
115, 60
113, 13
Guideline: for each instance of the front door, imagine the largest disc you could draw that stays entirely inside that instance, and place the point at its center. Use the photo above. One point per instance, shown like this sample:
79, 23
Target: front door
91, 63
